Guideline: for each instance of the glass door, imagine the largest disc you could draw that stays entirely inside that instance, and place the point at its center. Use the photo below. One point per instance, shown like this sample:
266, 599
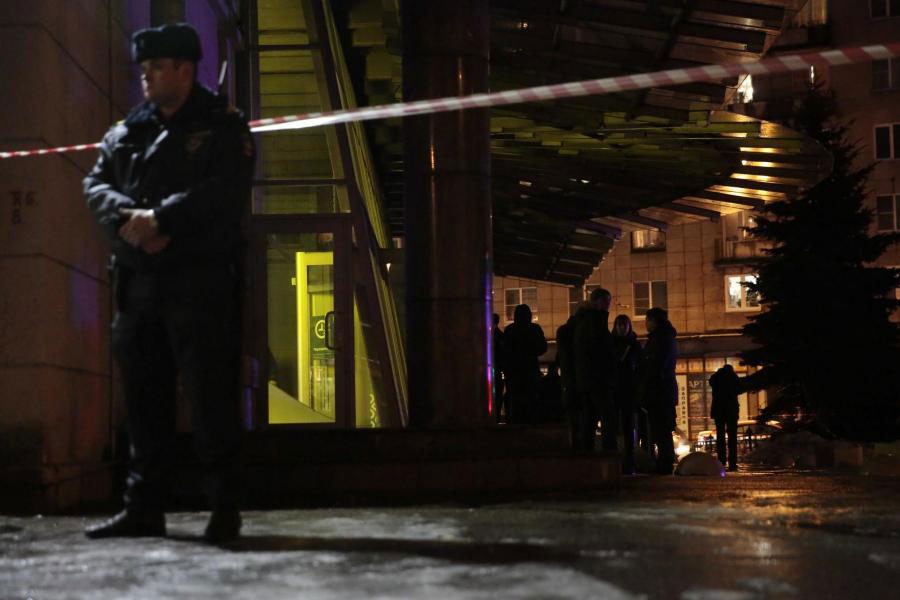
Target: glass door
302, 327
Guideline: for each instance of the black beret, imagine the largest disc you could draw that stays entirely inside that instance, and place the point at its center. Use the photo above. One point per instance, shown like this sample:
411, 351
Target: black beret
179, 40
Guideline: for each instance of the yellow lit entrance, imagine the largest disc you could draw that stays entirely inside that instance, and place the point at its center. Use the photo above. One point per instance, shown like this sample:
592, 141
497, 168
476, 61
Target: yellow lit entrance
304, 311
315, 332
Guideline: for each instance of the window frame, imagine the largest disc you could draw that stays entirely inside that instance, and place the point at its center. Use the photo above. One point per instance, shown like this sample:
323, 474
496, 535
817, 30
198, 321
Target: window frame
658, 248
650, 299
895, 212
893, 153
574, 304
888, 12
893, 74
521, 295
744, 308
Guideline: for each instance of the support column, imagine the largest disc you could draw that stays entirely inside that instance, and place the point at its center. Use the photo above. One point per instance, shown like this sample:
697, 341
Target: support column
448, 215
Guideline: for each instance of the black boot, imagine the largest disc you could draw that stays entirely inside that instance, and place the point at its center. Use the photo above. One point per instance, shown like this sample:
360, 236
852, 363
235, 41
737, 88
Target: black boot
130, 523
224, 526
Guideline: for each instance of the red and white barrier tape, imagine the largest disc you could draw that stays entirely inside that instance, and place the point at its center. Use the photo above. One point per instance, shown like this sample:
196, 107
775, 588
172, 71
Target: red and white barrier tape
606, 85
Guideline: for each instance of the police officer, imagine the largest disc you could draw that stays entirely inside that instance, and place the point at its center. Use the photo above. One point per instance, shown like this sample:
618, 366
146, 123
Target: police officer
169, 190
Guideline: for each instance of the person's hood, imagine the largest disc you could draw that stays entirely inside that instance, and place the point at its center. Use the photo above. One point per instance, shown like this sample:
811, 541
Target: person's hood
522, 314
664, 329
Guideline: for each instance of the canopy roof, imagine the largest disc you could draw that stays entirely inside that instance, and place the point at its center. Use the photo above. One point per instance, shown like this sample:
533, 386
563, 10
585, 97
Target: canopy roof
571, 176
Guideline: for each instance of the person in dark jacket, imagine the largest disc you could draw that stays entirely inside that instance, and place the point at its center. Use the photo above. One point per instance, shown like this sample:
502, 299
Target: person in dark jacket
565, 358
725, 410
628, 354
169, 189
499, 358
524, 342
595, 374
657, 387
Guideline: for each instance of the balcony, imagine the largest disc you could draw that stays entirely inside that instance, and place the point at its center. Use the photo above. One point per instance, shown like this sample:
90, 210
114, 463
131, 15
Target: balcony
739, 252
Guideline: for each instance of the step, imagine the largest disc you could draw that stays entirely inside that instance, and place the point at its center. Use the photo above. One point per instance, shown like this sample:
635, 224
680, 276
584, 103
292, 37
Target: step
302, 468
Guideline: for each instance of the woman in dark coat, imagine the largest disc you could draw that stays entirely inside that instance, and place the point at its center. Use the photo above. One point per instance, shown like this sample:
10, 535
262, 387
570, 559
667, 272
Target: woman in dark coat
524, 342
628, 357
657, 388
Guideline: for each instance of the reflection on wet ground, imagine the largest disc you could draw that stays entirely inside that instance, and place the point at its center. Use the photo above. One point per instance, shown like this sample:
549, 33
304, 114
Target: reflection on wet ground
750, 535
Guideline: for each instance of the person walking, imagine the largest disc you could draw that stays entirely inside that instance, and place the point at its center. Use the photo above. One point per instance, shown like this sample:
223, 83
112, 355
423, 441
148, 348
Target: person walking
657, 387
725, 410
628, 354
595, 367
524, 342
169, 189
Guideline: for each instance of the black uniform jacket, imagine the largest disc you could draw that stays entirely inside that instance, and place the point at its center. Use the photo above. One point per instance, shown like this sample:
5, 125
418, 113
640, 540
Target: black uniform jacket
194, 170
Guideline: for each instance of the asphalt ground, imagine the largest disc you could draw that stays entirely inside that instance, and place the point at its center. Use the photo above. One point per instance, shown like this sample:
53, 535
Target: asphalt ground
759, 534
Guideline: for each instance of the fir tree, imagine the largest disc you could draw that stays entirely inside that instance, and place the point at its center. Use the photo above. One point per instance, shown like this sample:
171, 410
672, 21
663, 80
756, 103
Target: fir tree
828, 351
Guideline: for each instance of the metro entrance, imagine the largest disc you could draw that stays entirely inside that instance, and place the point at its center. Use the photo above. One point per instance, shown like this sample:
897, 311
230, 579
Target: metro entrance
302, 315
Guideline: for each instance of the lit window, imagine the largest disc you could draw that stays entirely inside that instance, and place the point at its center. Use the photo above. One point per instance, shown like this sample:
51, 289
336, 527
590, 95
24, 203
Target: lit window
886, 74
649, 294
648, 239
516, 296
745, 90
884, 8
887, 213
738, 297
887, 140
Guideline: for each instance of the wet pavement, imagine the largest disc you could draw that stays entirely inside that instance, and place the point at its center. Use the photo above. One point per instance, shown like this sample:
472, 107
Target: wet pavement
750, 535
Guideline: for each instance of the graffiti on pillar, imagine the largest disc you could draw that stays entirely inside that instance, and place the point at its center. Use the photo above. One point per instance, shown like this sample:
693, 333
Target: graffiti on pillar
20, 200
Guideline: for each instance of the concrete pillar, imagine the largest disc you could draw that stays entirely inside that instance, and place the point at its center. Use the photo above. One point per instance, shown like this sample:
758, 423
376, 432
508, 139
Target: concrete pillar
166, 11
448, 215
67, 60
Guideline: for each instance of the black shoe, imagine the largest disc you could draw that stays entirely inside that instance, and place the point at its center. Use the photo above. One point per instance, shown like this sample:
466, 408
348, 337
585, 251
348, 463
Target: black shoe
224, 526
130, 524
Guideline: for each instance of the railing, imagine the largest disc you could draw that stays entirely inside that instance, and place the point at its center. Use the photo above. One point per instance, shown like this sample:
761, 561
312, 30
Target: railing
740, 251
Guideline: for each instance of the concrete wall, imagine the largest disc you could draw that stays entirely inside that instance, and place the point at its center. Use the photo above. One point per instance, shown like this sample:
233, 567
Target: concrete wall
861, 107
852, 26
67, 66
695, 283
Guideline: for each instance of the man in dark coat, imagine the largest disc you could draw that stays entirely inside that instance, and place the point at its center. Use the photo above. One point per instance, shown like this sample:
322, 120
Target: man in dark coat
169, 190
657, 388
524, 342
565, 358
595, 374
725, 410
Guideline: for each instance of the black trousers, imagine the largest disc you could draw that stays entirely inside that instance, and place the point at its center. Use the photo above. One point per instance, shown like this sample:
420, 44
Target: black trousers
588, 408
172, 328
728, 426
624, 422
662, 423
522, 398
